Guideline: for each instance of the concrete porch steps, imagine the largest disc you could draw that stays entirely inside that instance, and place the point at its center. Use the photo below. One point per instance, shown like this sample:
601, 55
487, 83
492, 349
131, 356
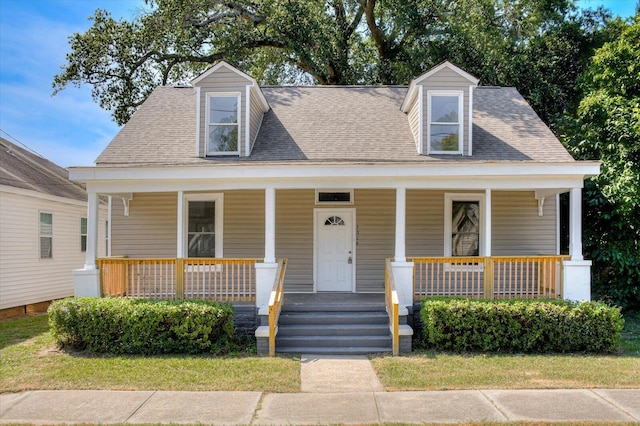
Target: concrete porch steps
338, 326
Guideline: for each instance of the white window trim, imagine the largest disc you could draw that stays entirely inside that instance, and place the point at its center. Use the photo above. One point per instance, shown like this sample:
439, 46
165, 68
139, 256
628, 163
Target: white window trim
322, 203
449, 198
460, 95
40, 235
218, 198
208, 123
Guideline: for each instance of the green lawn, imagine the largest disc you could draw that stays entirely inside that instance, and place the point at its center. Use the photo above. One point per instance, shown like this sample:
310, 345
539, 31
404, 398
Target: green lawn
438, 370
30, 360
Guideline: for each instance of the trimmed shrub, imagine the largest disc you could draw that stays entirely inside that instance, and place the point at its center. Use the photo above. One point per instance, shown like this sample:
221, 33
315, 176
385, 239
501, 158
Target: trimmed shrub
140, 326
538, 326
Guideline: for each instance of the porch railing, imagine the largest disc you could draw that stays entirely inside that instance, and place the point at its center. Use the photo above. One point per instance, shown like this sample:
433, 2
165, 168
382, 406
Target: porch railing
497, 277
392, 302
276, 300
230, 280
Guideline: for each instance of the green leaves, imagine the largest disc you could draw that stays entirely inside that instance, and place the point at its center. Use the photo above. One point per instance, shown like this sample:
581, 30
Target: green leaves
520, 326
330, 42
607, 128
138, 326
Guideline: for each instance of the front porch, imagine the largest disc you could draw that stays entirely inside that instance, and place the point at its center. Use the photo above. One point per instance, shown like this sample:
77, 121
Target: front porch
334, 322
386, 242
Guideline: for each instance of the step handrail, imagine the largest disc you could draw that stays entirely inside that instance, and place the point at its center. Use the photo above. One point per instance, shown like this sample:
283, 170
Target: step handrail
276, 300
392, 302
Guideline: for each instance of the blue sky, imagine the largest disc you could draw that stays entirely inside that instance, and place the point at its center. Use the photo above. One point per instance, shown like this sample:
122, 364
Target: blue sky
70, 129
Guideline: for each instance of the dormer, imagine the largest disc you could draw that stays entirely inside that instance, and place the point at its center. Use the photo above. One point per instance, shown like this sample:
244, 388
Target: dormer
230, 107
439, 106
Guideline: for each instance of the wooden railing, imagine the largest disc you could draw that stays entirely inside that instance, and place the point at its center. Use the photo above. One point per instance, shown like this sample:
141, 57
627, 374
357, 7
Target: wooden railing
276, 300
391, 300
230, 280
498, 277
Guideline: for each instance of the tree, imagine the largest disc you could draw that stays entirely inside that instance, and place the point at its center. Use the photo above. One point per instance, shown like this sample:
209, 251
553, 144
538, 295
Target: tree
607, 128
319, 41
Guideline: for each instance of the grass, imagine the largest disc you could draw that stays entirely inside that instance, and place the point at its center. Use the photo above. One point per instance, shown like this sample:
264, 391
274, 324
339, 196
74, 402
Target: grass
29, 360
439, 371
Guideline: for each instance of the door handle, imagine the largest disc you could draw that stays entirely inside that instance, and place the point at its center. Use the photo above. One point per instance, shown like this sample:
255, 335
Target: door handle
350, 261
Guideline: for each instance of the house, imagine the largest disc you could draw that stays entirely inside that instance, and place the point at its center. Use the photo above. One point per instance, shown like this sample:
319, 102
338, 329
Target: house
43, 230
441, 187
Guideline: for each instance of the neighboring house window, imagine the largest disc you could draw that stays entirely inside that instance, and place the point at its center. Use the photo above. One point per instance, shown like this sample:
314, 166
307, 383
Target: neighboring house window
204, 225
464, 224
46, 235
223, 123
83, 234
445, 123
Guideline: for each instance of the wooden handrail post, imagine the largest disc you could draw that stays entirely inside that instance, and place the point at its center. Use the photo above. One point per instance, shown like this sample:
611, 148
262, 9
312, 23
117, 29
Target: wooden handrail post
179, 278
488, 278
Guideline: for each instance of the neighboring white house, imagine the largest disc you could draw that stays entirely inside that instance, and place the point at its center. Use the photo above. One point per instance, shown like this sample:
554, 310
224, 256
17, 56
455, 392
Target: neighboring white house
43, 228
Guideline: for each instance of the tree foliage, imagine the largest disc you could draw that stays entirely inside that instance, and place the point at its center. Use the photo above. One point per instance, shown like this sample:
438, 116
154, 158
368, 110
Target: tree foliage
607, 128
515, 42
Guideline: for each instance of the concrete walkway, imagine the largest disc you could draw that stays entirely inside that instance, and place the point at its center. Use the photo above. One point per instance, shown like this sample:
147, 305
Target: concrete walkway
335, 390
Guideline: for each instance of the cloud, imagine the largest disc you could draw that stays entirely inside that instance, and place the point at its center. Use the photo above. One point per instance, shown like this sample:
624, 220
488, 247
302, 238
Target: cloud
69, 128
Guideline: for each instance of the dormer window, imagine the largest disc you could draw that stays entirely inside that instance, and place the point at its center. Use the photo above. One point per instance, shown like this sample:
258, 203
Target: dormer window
445, 126
223, 119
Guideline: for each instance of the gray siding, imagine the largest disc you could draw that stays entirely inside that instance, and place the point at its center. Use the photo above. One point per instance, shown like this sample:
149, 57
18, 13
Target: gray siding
517, 228
376, 229
256, 117
414, 123
222, 80
150, 230
425, 223
244, 224
294, 237
446, 79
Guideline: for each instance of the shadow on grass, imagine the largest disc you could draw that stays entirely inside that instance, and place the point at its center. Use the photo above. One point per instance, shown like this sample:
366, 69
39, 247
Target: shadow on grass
16, 331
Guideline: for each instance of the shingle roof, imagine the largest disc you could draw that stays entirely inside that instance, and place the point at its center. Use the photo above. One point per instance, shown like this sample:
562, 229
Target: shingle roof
333, 124
20, 168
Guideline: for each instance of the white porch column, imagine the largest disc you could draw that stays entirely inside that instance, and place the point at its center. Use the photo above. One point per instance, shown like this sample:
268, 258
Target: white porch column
577, 271
487, 222
86, 281
266, 272
270, 225
575, 224
401, 217
180, 226
402, 270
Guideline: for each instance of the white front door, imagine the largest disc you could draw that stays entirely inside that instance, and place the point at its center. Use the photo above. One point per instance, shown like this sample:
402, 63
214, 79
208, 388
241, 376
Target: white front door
334, 249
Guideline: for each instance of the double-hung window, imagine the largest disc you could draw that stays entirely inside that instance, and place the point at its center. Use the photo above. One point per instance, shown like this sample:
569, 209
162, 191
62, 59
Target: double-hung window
203, 225
83, 234
46, 235
445, 123
223, 123
464, 224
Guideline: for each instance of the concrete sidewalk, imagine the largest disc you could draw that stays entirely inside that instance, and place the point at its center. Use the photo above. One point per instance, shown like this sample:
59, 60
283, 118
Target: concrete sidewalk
255, 408
335, 390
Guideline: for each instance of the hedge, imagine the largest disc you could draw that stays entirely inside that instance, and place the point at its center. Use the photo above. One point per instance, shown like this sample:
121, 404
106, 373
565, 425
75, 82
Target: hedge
140, 326
532, 326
